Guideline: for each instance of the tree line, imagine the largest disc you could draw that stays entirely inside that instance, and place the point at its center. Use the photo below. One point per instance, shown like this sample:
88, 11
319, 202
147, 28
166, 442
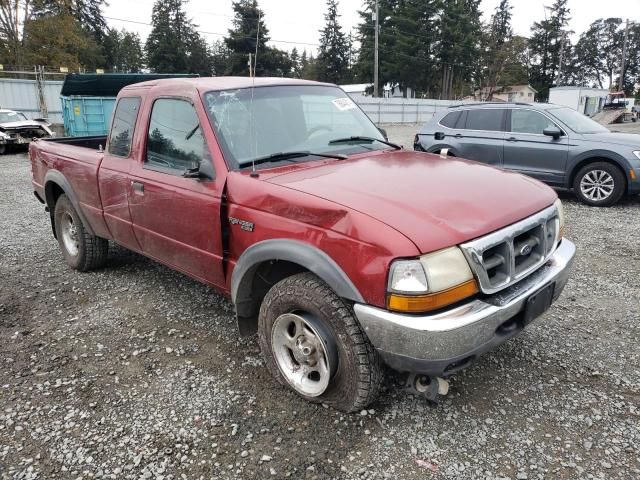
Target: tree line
433, 48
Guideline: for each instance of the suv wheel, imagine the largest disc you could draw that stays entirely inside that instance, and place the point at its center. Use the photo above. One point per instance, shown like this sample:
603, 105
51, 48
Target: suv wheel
313, 344
599, 184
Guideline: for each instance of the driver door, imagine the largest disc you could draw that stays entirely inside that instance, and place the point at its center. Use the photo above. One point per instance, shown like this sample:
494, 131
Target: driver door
176, 220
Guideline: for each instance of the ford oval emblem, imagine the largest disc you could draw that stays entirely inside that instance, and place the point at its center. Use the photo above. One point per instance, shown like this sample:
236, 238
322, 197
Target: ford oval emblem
525, 250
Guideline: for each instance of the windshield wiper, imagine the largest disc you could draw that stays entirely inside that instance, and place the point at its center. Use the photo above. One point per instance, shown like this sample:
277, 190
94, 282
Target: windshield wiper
276, 157
364, 139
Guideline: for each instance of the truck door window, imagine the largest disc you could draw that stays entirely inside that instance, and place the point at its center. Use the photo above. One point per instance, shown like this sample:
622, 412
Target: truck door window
175, 142
528, 121
124, 121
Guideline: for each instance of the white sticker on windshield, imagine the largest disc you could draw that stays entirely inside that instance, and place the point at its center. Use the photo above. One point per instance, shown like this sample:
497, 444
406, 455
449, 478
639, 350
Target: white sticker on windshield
344, 103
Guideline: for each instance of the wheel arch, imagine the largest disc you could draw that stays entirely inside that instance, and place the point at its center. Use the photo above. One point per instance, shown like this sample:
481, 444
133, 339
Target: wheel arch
56, 184
265, 263
436, 150
594, 157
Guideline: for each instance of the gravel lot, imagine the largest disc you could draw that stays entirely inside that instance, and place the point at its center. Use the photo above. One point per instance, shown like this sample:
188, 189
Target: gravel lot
136, 371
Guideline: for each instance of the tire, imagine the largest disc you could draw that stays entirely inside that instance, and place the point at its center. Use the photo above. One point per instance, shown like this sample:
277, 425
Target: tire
355, 372
599, 184
81, 250
3, 148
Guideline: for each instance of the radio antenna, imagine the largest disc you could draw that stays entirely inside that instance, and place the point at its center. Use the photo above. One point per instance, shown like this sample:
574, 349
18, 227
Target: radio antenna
254, 140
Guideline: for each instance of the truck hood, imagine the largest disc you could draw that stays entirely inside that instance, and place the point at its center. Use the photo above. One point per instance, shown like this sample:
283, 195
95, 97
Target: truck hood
626, 139
433, 201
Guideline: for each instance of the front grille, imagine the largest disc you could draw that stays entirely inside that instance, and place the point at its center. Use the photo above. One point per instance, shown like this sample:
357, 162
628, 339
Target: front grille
506, 256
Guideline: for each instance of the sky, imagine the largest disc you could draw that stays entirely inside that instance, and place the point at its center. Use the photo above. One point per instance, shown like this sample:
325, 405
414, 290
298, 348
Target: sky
297, 22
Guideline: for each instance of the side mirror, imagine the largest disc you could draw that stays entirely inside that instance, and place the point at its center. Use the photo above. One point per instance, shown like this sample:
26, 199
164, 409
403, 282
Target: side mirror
384, 133
554, 132
439, 135
204, 171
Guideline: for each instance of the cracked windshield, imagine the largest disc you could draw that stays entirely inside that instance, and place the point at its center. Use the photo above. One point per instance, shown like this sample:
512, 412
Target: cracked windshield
286, 119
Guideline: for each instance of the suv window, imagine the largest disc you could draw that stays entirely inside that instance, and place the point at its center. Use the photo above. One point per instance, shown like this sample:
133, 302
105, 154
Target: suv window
450, 119
528, 121
489, 119
175, 140
124, 121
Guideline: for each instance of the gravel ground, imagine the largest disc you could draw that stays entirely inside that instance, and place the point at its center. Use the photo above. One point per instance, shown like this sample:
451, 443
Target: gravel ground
136, 371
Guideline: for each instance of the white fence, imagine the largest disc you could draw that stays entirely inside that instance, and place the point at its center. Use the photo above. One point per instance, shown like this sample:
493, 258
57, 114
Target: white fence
22, 96
401, 110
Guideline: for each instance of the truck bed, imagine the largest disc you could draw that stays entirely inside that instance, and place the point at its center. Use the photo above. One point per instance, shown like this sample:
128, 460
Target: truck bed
77, 160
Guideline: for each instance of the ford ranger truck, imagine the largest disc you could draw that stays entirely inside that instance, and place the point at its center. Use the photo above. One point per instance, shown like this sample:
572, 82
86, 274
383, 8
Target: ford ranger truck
341, 250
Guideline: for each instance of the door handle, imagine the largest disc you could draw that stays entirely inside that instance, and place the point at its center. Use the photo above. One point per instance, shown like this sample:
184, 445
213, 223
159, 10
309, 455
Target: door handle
138, 187
512, 139
457, 135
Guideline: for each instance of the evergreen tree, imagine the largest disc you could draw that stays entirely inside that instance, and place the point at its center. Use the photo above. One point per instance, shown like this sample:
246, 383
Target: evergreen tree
220, 57
296, 66
415, 28
332, 63
498, 37
131, 53
241, 42
174, 45
460, 32
248, 25
547, 38
167, 43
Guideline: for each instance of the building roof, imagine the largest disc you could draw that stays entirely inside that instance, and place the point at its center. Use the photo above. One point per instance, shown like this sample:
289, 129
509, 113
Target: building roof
569, 87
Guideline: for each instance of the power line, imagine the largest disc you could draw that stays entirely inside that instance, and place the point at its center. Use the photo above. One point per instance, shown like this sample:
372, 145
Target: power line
216, 33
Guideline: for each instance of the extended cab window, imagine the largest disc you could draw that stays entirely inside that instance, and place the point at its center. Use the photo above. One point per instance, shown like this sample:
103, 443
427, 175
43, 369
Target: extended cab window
175, 141
485, 119
528, 121
450, 119
124, 121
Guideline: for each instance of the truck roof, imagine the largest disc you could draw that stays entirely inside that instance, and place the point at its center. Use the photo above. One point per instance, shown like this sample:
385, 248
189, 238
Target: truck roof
221, 83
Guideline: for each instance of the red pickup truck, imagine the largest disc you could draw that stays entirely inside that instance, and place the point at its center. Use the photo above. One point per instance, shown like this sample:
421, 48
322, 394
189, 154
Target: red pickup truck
341, 250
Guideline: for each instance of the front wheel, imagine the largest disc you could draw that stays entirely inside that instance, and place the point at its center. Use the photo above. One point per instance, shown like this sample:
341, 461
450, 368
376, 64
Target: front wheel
599, 184
313, 344
81, 250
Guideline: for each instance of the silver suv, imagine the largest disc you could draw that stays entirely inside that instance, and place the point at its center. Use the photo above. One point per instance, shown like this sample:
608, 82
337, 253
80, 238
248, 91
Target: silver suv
553, 144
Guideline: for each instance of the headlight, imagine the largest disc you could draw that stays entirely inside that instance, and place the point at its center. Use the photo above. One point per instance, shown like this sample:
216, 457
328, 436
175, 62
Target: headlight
558, 205
637, 154
430, 282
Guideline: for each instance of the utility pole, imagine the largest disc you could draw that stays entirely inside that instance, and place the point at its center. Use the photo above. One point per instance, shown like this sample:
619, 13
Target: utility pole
562, 43
250, 72
375, 54
624, 56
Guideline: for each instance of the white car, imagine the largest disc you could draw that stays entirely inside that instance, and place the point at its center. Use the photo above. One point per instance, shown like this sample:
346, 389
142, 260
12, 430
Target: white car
16, 129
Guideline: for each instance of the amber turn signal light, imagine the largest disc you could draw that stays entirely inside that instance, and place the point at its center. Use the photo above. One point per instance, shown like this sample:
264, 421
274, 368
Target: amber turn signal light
432, 301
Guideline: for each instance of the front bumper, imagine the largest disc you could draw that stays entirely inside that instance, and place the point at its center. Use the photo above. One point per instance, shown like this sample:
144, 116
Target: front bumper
442, 343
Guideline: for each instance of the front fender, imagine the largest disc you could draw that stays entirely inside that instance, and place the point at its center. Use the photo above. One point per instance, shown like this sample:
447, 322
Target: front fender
247, 301
294, 251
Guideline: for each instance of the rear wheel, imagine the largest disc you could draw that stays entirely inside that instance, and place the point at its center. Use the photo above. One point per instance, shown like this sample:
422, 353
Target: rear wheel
81, 250
313, 344
599, 184
3, 148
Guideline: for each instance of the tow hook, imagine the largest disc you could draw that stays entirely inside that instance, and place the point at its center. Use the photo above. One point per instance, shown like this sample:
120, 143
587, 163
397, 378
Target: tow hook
428, 387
